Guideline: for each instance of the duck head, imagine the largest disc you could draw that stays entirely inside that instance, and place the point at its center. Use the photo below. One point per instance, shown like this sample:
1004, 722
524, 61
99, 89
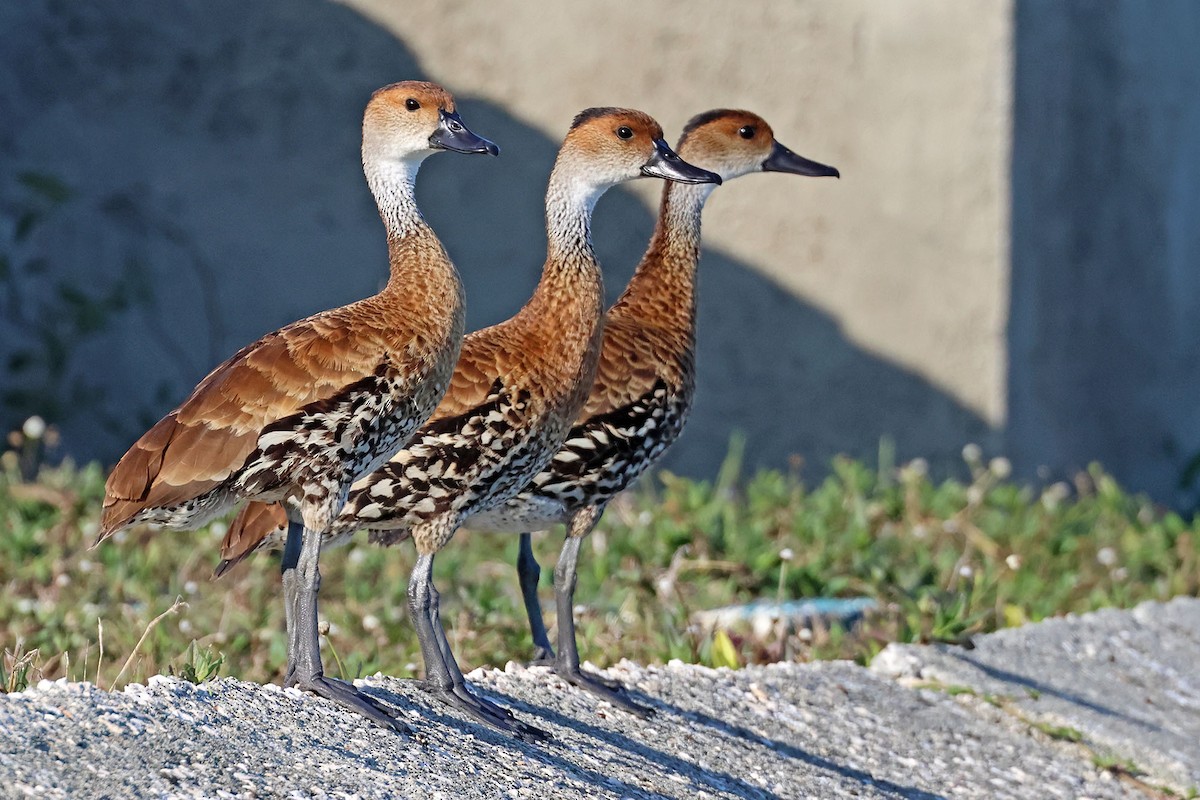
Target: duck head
411, 120
734, 143
620, 144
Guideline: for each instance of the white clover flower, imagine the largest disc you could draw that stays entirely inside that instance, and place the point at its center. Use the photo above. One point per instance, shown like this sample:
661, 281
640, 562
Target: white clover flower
370, 622
965, 571
1055, 494
972, 453
185, 625
787, 554
1001, 467
34, 427
1013, 561
190, 587
1106, 556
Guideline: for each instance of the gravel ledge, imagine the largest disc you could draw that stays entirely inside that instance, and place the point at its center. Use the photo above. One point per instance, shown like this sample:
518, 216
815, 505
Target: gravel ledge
1127, 683
819, 730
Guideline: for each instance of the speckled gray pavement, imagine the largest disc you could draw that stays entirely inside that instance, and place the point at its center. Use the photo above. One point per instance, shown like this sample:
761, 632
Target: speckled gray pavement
1128, 681
823, 730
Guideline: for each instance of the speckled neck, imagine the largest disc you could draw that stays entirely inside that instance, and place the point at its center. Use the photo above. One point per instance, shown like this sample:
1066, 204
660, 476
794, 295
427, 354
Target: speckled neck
571, 276
419, 265
568, 304
570, 200
665, 279
393, 183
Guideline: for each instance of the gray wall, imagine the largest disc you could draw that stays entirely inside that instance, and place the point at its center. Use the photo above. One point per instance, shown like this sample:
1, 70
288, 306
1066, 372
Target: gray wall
212, 154
1105, 317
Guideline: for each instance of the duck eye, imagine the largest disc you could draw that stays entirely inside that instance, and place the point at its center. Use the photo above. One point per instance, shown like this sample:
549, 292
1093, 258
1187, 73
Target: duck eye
411, 105
746, 131
625, 132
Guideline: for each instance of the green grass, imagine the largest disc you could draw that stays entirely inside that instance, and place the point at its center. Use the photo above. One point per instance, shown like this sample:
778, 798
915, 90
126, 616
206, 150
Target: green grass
1063, 733
945, 560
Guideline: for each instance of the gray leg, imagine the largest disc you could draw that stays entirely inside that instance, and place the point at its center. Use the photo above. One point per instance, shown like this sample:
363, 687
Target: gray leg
291, 555
442, 676
421, 603
530, 573
566, 664
302, 581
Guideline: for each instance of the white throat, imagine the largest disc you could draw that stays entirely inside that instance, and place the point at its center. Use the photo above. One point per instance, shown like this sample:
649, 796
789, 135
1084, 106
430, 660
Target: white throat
570, 199
393, 183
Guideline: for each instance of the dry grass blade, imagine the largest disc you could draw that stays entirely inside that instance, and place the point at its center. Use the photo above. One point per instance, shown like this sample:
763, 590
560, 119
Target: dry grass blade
20, 662
178, 604
100, 645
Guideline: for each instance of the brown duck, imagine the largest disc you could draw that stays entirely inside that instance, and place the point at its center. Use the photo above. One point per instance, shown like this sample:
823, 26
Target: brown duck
644, 384
306, 410
516, 390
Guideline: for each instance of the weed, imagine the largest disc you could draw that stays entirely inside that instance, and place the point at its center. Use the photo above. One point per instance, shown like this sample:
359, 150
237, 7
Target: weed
1116, 765
943, 560
198, 664
1063, 733
17, 667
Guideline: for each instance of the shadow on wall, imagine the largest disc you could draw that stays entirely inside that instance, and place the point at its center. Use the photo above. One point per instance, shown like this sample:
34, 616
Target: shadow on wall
213, 157
1104, 324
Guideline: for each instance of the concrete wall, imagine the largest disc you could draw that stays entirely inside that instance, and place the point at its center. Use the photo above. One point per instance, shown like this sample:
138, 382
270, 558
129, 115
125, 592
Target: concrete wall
832, 314
212, 153
1105, 317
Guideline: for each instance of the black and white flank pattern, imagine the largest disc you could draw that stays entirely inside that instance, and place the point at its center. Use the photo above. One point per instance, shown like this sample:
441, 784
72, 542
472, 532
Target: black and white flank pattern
600, 458
324, 447
452, 468
330, 444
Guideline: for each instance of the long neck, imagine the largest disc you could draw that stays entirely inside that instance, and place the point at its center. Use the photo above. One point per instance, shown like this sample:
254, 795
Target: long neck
424, 293
663, 287
393, 183
416, 256
571, 289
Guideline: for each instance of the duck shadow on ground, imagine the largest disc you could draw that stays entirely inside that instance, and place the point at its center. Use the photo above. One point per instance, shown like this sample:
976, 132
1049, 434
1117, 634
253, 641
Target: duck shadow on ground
1034, 686
700, 778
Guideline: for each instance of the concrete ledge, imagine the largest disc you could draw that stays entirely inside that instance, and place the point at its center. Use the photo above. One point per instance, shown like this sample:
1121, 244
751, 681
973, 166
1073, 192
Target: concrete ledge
1127, 682
818, 730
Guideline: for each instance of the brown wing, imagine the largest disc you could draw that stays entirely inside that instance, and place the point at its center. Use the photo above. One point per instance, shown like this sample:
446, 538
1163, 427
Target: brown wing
252, 524
486, 356
632, 359
482, 361
210, 435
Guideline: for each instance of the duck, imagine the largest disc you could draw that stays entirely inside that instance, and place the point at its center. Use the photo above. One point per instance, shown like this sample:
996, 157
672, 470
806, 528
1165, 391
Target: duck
645, 383
304, 411
517, 388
